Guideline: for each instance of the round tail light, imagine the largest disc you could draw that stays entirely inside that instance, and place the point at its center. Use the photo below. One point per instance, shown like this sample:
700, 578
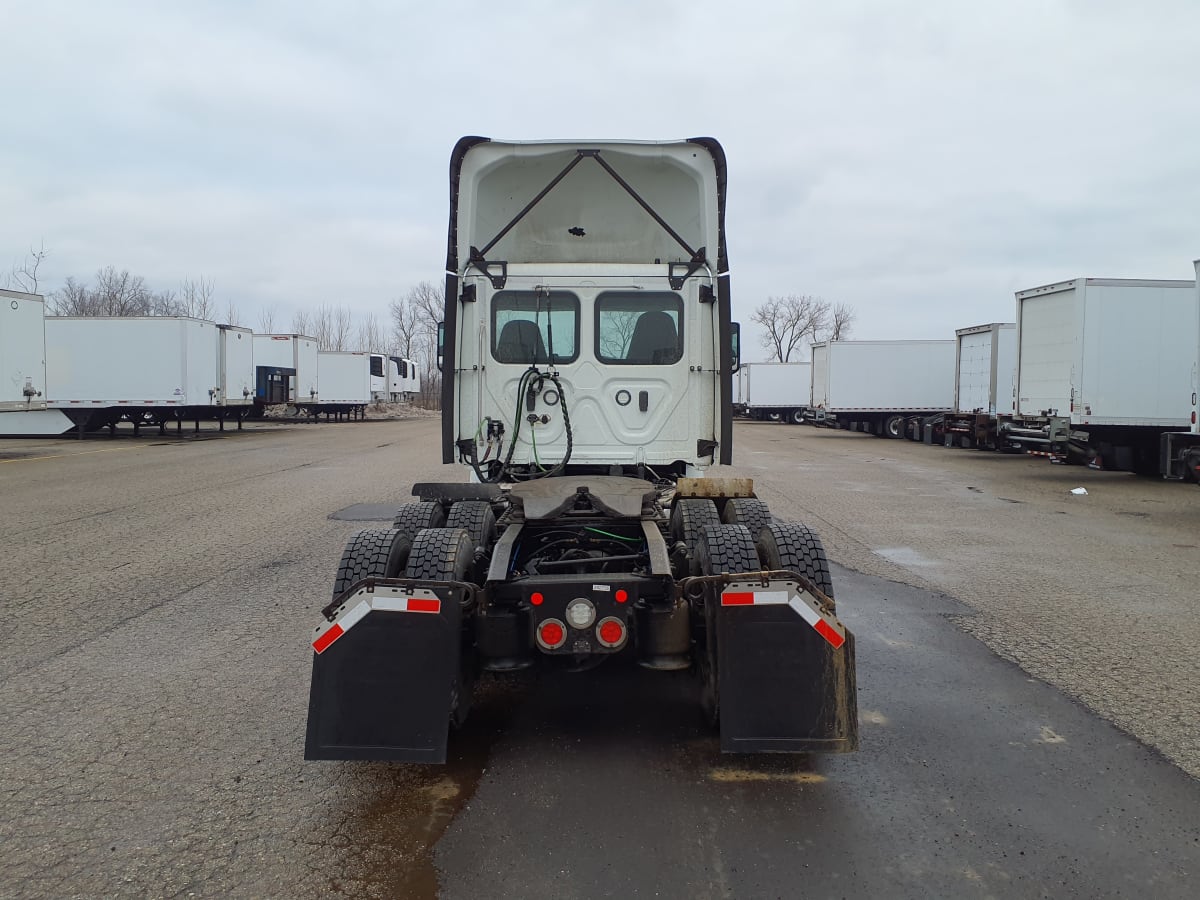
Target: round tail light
552, 634
611, 632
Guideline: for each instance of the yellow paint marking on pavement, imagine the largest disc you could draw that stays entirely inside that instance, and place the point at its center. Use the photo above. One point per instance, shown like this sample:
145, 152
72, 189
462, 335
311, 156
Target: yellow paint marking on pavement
65, 455
743, 775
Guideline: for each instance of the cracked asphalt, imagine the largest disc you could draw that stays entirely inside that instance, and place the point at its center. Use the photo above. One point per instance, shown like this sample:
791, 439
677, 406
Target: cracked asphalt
1028, 691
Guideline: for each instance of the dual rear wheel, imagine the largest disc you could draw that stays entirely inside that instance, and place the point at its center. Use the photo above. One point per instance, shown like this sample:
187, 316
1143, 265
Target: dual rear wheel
423, 542
747, 539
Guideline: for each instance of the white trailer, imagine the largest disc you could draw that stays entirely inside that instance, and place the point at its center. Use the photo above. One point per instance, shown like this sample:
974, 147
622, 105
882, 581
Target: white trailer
22, 352
405, 382
985, 369
285, 369
381, 378
882, 387
393, 378
23, 409
344, 383
236, 365
145, 370
773, 390
1104, 368
1179, 451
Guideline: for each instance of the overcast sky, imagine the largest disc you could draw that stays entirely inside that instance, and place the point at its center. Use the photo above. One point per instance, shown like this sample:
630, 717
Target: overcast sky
919, 161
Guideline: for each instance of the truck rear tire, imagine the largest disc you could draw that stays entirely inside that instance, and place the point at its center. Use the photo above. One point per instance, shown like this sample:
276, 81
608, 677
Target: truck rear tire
727, 550
441, 554
476, 518
893, 427
796, 417
689, 518
747, 511
723, 549
798, 549
372, 553
447, 554
412, 517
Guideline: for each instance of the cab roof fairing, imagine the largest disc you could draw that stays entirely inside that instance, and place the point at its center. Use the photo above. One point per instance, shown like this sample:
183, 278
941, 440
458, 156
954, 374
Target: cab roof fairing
583, 213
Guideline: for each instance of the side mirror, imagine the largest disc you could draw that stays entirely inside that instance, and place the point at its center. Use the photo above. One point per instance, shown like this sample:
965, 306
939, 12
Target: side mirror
735, 340
441, 344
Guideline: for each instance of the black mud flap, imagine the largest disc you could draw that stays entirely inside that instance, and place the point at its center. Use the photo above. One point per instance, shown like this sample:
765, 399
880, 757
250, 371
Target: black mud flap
785, 669
384, 676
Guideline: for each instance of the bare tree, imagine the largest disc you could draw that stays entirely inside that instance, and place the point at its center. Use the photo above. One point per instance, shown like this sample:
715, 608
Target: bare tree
405, 326
114, 294
196, 298
72, 299
302, 323
341, 327
163, 303
24, 275
266, 319
841, 318
429, 308
370, 334
788, 321
321, 326
232, 315
332, 327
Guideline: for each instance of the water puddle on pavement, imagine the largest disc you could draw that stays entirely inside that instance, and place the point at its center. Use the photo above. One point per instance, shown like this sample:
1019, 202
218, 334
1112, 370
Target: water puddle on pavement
388, 841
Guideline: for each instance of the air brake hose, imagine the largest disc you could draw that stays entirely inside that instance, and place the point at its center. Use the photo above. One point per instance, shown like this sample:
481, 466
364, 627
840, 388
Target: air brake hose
522, 387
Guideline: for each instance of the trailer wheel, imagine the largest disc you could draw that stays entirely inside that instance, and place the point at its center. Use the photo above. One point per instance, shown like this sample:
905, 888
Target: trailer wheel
893, 427
372, 553
476, 518
689, 518
796, 417
412, 517
747, 511
723, 549
798, 549
447, 554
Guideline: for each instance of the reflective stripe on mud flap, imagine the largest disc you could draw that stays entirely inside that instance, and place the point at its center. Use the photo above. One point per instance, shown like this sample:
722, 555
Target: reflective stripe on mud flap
384, 599
803, 603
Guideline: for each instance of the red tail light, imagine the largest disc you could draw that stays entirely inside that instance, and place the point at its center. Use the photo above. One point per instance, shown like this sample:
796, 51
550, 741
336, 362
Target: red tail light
611, 632
552, 634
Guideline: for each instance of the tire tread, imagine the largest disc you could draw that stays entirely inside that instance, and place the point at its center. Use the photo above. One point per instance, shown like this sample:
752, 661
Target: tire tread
368, 554
441, 554
796, 548
748, 511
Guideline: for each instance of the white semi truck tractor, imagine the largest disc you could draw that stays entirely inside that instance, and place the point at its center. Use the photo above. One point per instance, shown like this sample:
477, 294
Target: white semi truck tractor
587, 354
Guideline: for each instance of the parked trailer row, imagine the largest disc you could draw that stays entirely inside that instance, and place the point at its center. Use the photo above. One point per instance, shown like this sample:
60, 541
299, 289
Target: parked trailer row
97, 372
393, 378
1105, 369
1104, 372
87, 373
985, 360
886, 388
778, 391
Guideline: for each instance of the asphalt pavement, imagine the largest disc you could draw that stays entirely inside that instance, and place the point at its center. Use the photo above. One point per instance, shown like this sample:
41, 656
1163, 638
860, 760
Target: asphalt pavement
160, 594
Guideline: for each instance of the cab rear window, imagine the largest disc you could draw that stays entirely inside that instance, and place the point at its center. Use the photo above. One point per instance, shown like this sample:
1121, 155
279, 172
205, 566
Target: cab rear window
639, 328
528, 325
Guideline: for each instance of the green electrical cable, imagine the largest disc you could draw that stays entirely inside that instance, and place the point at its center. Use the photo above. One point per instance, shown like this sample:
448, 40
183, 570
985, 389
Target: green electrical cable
615, 536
